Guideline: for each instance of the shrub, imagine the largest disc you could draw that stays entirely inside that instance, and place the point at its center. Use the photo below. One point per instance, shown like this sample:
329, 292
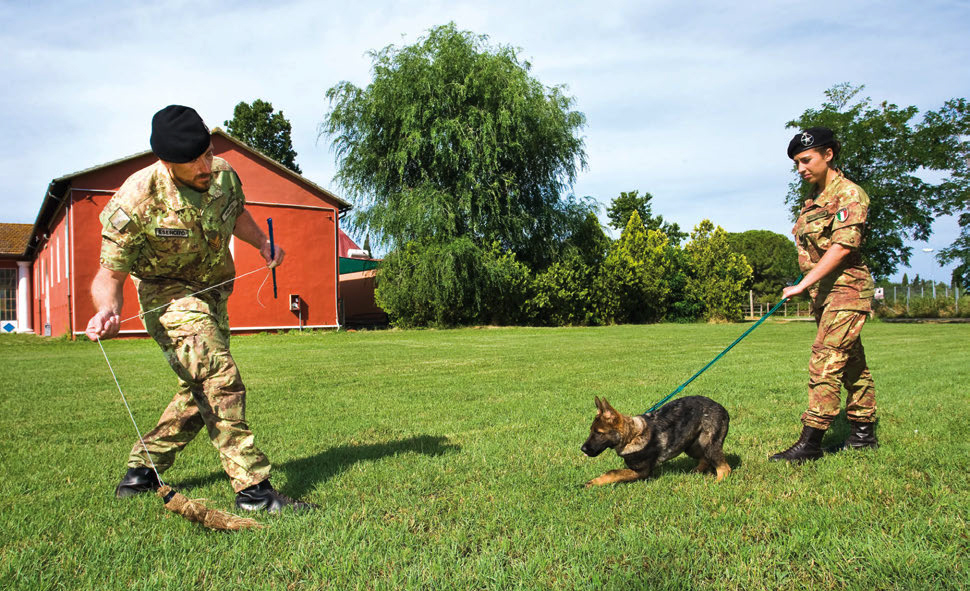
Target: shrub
634, 283
449, 283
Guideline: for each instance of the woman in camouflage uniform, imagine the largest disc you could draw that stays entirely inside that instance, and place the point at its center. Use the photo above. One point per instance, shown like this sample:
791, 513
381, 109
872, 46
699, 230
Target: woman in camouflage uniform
828, 234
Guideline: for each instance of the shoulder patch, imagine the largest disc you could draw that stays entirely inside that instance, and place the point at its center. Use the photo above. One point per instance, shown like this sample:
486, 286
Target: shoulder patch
119, 219
842, 214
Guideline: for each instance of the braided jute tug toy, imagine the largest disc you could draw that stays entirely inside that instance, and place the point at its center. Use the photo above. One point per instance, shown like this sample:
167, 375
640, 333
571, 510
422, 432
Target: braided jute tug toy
192, 509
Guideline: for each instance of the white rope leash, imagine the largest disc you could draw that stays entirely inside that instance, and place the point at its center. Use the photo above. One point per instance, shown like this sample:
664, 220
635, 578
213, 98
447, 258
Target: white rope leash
125, 400
142, 315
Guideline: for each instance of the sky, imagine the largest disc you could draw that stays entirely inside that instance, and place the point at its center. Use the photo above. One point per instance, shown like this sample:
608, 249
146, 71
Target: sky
685, 100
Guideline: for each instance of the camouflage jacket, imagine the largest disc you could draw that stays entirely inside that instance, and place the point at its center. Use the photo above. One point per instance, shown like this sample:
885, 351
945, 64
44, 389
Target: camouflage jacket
172, 239
836, 216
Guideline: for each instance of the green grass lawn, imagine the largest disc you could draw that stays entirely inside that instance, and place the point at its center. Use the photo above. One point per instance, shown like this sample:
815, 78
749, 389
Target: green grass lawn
450, 460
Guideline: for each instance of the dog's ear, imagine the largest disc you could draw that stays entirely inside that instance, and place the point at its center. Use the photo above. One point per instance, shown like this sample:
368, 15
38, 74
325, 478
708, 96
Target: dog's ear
606, 408
599, 404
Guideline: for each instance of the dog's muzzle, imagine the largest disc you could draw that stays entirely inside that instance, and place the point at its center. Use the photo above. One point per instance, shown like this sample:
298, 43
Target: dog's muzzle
591, 451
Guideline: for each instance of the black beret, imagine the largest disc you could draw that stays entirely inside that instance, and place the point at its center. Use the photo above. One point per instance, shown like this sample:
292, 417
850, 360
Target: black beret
179, 134
813, 137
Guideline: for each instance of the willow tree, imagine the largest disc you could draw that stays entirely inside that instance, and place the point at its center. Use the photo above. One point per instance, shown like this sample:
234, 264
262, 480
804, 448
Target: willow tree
455, 138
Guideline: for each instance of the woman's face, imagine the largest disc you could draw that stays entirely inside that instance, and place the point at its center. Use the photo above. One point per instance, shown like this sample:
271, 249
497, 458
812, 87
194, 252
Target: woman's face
813, 165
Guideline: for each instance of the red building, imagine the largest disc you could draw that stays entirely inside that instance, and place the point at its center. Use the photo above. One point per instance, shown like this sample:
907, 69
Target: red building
61, 253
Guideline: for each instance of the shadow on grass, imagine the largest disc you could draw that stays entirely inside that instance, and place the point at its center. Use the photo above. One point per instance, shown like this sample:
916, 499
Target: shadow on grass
685, 463
305, 473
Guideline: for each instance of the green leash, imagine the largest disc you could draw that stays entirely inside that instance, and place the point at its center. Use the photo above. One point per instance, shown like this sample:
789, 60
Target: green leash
713, 361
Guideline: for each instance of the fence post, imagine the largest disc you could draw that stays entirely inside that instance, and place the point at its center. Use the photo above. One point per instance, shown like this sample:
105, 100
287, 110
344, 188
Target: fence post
751, 302
908, 289
894, 295
934, 290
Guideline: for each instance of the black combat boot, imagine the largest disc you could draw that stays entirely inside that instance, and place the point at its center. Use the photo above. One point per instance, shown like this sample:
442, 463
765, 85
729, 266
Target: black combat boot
136, 481
262, 497
861, 436
807, 448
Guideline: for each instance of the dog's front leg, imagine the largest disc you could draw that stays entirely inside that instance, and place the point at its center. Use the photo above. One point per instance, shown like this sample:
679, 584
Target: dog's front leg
625, 475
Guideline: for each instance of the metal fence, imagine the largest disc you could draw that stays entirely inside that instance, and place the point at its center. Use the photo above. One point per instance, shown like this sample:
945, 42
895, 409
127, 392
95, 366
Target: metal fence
927, 300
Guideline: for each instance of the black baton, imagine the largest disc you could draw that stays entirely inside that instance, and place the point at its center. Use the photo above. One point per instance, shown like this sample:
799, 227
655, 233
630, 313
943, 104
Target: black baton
272, 252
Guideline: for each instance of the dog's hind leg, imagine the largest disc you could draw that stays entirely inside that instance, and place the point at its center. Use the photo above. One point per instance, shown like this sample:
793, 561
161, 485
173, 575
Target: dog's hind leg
697, 451
715, 457
625, 475
723, 469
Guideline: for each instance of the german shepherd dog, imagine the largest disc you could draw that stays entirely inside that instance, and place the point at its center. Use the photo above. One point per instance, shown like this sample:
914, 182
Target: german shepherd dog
693, 424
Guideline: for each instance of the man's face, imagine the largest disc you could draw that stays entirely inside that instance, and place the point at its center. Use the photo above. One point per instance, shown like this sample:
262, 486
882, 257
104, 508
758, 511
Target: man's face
196, 174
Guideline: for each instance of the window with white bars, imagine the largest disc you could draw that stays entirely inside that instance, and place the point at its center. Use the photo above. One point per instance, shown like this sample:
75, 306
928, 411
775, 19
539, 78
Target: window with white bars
8, 294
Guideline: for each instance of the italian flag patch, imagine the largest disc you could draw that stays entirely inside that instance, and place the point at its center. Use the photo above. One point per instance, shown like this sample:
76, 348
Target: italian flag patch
842, 214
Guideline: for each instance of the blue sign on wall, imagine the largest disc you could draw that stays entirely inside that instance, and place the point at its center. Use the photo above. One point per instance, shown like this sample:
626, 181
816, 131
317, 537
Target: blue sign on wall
9, 327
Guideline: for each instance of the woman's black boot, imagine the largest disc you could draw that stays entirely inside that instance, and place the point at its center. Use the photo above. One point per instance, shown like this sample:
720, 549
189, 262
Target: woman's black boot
861, 436
807, 448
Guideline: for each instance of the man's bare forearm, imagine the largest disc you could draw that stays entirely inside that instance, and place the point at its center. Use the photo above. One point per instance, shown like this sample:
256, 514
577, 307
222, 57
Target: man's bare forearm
107, 290
248, 231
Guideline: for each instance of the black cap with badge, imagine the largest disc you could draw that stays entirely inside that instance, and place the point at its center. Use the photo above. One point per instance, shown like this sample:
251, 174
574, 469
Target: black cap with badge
179, 134
813, 137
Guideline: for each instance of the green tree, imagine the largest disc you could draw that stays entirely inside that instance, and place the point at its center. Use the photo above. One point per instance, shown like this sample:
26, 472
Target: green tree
627, 202
454, 138
564, 293
451, 282
588, 241
269, 132
773, 259
890, 155
634, 283
717, 273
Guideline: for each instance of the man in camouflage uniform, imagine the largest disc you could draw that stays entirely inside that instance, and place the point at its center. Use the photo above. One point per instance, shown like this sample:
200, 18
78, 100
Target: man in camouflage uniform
829, 233
169, 226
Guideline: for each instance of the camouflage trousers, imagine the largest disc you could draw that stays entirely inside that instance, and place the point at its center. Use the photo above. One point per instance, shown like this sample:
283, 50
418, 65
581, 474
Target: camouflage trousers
193, 333
838, 359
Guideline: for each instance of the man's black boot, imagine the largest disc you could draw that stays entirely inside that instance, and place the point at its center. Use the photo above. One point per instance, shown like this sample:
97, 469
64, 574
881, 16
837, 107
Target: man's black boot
136, 481
861, 436
262, 497
807, 448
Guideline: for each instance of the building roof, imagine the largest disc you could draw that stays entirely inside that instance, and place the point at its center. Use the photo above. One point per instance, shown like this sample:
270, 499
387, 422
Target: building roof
14, 238
57, 189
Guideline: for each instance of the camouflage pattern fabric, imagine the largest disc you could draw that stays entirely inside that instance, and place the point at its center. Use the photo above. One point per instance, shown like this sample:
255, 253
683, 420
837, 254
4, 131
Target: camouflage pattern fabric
838, 359
172, 235
836, 216
174, 241
211, 392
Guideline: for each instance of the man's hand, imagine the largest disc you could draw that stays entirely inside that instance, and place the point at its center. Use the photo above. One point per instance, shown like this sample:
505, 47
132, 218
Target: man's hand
271, 262
103, 325
250, 233
107, 294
